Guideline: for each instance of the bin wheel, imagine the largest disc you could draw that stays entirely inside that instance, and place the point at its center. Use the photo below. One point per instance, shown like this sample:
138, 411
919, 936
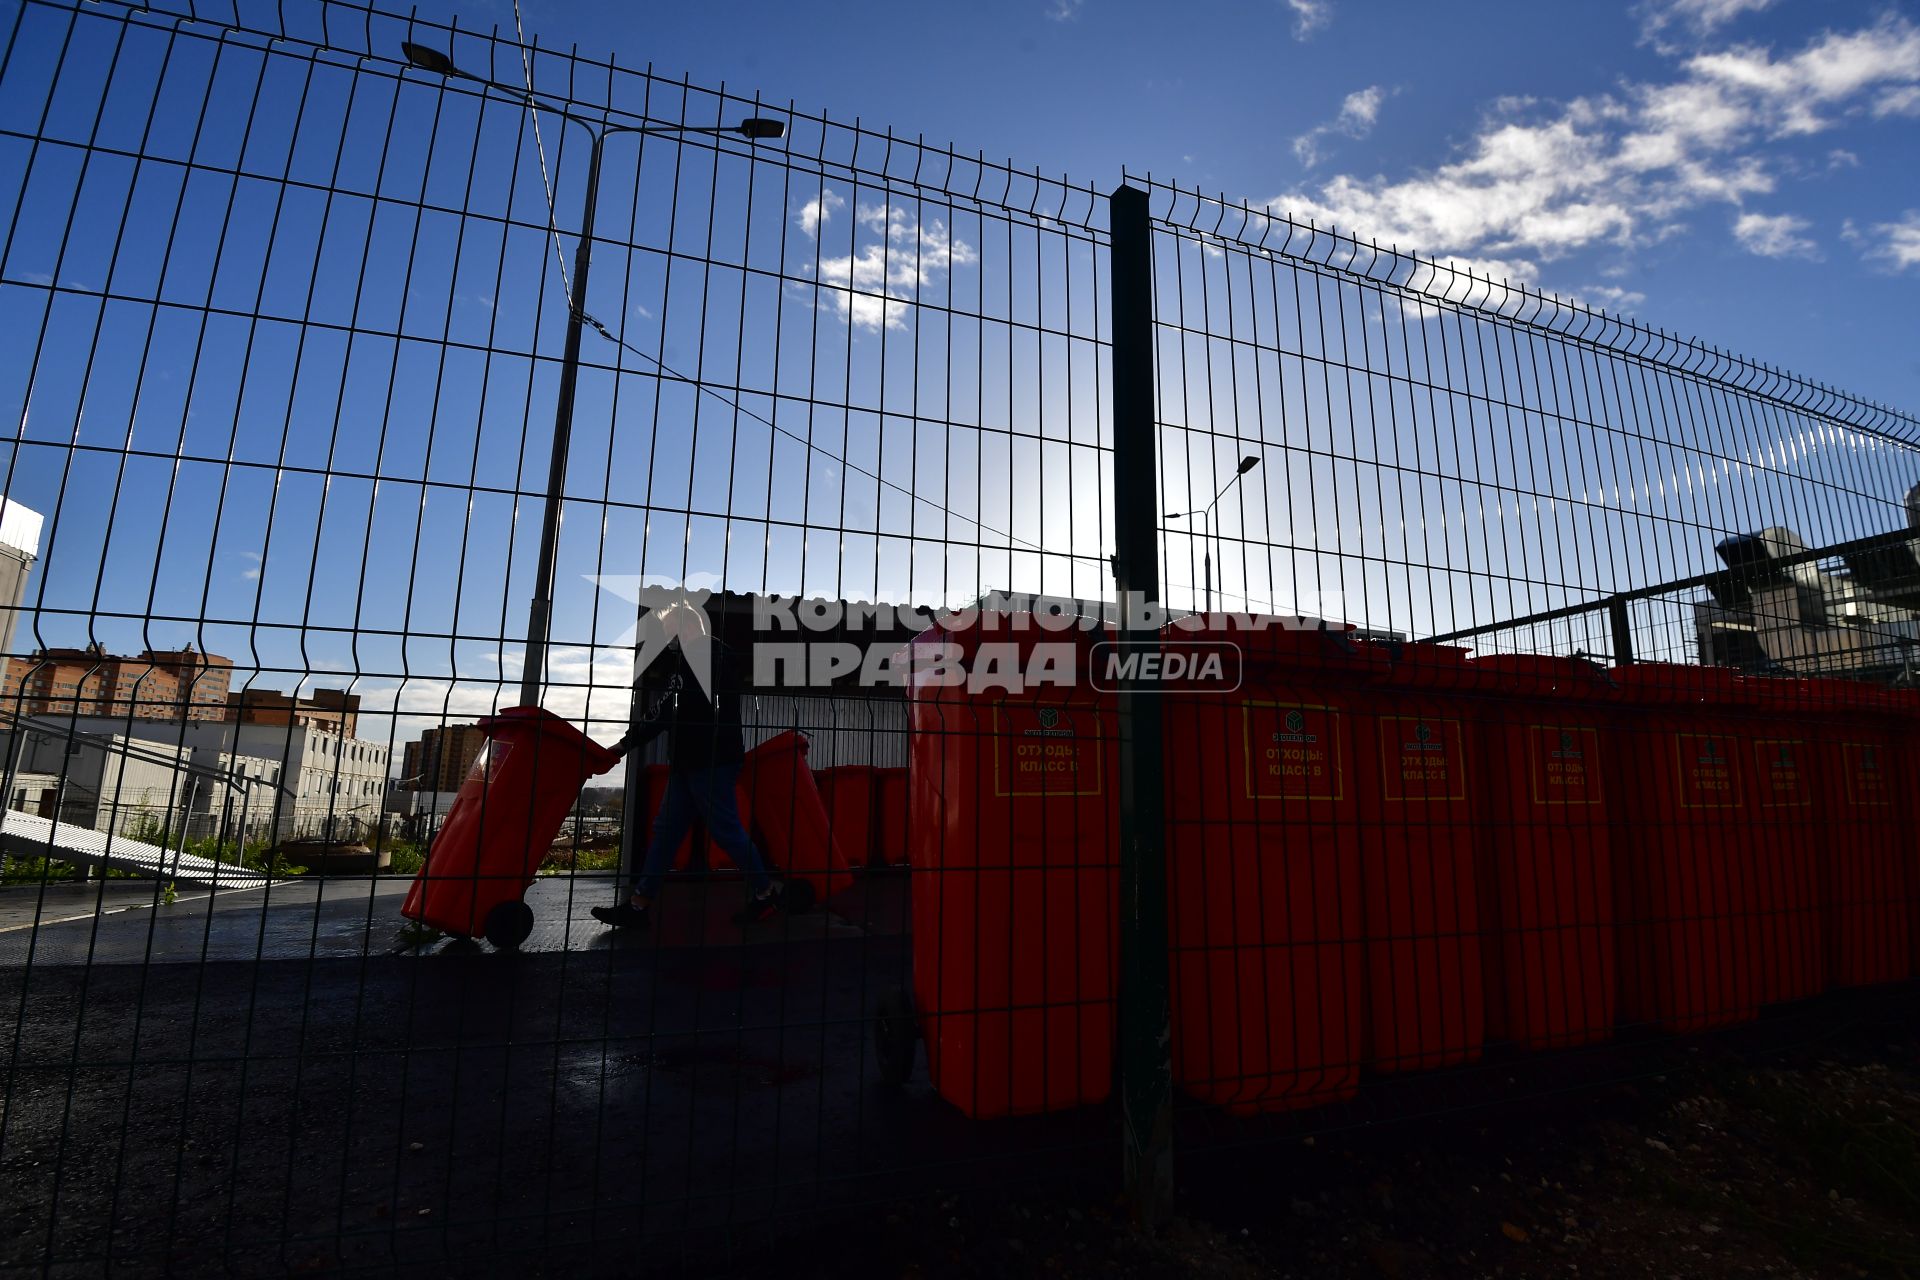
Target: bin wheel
894, 1033
798, 896
509, 924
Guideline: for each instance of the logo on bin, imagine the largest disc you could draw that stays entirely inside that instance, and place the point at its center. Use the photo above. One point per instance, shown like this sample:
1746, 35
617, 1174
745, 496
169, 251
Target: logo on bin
1054, 723
1194, 667
1423, 739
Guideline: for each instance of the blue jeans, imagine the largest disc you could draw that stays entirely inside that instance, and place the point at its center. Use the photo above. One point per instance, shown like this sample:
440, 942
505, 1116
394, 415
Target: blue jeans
707, 794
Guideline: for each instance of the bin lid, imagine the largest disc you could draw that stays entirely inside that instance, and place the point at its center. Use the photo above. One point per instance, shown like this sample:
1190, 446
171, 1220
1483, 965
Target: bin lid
1273, 642
1418, 665
1828, 693
1540, 675
789, 742
1684, 684
1024, 631
547, 725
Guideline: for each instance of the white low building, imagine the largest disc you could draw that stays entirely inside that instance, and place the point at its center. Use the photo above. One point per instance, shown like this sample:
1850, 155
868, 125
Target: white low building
132, 786
322, 784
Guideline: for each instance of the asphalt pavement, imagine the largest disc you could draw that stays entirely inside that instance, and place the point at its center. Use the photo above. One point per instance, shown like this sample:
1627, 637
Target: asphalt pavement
275, 1080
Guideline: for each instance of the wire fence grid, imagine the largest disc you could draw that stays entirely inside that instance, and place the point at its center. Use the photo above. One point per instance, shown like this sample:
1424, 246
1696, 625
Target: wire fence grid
1528, 681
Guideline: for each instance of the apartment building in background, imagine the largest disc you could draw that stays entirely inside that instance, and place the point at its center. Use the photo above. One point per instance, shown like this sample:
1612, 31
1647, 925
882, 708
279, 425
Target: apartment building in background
159, 684
440, 758
328, 710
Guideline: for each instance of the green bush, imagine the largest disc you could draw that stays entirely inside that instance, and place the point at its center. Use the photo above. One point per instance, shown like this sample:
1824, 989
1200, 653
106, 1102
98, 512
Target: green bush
407, 857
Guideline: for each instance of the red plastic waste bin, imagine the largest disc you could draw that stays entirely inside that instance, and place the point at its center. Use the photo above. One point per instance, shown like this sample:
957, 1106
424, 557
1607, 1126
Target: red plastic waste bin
695, 841
777, 790
1414, 759
1793, 751
656, 775
890, 816
1905, 706
1865, 851
1263, 871
501, 824
848, 792
1546, 882
1685, 859
1015, 896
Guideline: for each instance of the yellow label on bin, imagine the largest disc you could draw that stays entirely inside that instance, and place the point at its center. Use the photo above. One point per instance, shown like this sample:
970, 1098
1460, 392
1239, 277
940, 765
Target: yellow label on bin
1780, 765
1563, 764
1422, 758
1046, 751
1708, 774
1293, 751
1865, 770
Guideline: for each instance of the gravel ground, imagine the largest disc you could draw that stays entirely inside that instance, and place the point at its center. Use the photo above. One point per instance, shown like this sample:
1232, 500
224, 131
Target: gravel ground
1803, 1161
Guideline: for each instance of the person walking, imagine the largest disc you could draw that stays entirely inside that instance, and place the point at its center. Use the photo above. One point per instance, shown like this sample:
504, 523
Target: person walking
705, 751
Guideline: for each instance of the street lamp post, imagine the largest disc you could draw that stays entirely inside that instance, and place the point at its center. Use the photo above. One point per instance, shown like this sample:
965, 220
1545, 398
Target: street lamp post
753, 129
1207, 526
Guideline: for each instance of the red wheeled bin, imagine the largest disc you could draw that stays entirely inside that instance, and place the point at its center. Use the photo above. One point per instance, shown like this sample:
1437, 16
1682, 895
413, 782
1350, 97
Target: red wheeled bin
1905, 705
1546, 872
1015, 892
1685, 859
890, 816
777, 789
1865, 849
501, 824
1263, 871
656, 779
1414, 762
1793, 752
848, 792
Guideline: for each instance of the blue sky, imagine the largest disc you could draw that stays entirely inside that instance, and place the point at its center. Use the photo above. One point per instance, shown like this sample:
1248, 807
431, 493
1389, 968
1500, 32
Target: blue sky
288, 416
1785, 223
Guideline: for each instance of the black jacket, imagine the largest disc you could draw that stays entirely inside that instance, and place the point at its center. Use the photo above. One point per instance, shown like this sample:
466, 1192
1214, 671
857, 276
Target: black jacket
702, 732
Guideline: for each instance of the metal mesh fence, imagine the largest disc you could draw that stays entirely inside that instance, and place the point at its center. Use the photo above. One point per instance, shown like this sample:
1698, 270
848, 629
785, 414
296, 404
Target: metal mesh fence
1523, 680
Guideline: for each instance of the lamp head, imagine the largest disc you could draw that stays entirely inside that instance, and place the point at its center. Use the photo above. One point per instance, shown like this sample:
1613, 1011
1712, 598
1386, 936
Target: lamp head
761, 128
1248, 463
429, 59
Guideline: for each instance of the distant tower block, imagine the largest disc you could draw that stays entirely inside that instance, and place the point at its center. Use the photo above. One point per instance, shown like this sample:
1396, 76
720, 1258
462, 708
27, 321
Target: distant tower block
19, 548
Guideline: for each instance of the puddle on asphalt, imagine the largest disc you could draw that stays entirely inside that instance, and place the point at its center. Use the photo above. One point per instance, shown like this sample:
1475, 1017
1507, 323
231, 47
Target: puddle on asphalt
728, 1065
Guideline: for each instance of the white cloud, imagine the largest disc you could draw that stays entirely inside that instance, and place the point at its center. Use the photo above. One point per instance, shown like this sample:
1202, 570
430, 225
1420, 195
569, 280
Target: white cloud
1702, 17
1358, 112
1309, 16
1620, 169
1903, 101
253, 574
1893, 245
885, 270
1612, 297
1773, 235
1064, 10
819, 209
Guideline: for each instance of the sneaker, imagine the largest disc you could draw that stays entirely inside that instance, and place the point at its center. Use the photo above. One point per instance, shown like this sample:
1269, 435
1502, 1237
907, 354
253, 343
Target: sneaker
764, 907
623, 916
